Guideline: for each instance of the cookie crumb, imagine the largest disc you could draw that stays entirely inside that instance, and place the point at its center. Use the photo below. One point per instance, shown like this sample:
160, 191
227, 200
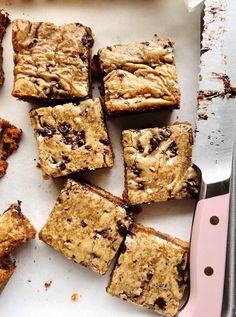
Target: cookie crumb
47, 285
74, 297
29, 281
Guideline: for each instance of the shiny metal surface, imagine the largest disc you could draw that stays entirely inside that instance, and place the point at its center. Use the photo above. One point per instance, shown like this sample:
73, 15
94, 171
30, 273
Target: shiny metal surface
215, 129
229, 300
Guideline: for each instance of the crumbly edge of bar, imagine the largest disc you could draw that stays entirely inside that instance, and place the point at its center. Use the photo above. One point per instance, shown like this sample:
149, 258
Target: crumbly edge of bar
30, 231
8, 265
4, 22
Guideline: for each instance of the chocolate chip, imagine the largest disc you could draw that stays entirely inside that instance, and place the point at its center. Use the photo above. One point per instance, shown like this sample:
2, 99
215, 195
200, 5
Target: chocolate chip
83, 57
66, 158
105, 142
68, 219
48, 130
83, 224
84, 40
173, 148
140, 186
121, 75
154, 142
64, 128
104, 233
4, 266
160, 302
62, 166
68, 241
88, 147
165, 134
80, 139
121, 228
140, 149
136, 171
149, 275
145, 43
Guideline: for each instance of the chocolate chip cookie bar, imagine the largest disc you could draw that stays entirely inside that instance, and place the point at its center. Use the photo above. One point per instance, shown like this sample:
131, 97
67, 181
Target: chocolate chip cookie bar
86, 225
140, 76
4, 21
152, 270
158, 164
71, 138
9, 141
7, 268
51, 62
15, 229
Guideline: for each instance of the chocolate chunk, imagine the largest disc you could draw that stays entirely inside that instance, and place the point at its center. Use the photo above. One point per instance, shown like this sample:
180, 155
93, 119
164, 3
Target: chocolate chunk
160, 302
83, 223
48, 130
149, 275
83, 57
120, 75
121, 228
104, 233
136, 171
105, 142
154, 142
165, 134
62, 166
4, 266
140, 148
140, 186
173, 148
88, 147
80, 139
64, 128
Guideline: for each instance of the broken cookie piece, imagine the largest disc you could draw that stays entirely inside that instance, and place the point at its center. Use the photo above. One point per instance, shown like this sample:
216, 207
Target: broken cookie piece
7, 268
9, 141
152, 270
4, 21
139, 76
15, 229
87, 225
71, 138
51, 62
158, 164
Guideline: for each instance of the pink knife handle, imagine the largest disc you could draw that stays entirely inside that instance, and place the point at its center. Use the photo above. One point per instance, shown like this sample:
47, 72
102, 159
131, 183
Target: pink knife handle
207, 258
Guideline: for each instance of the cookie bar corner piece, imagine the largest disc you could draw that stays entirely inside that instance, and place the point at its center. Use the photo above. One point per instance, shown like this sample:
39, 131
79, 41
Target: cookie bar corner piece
87, 225
9, 141
7, 268
4, 22
72, 138
152, 270
140, 76
158, 164
15, 229
52, 63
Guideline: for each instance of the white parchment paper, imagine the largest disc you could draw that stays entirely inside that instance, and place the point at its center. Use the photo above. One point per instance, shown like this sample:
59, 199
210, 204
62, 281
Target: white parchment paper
112, 22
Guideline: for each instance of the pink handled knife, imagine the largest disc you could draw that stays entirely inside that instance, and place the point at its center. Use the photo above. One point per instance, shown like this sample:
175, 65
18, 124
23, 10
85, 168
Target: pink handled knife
213, 155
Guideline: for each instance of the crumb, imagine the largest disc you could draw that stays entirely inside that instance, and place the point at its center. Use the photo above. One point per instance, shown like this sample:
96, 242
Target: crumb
29, 281
38, 165
47, 285
74, 297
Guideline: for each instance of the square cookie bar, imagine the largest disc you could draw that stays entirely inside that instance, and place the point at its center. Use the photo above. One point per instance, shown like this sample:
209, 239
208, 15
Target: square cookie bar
158, 164
7, 268
86, 225
51, 62
71, 138
152, 270
15, 229
140, 76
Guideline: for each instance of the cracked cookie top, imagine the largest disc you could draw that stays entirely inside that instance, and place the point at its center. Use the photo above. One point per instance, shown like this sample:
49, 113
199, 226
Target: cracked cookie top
158, 164
51, 62
71, 137
139, 76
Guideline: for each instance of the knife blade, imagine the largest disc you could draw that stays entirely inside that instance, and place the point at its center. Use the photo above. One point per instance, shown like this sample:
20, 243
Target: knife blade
212, 153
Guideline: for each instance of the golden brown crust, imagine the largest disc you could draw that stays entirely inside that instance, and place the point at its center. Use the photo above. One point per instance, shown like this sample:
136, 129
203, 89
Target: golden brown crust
139, 76
158, 164
9, 141
51, 62
15, 229
152, 270
4, 21
86, 225
72, 138
7, 268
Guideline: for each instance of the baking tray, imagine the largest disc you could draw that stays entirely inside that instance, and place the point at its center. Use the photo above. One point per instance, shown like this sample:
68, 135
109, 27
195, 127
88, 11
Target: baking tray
112, 22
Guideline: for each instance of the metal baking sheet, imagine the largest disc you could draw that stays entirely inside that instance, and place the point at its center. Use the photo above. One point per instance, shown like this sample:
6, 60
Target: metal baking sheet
112, 22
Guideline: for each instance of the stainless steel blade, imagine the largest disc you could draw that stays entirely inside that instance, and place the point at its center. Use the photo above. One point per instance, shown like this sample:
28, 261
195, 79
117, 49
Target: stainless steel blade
215, 129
